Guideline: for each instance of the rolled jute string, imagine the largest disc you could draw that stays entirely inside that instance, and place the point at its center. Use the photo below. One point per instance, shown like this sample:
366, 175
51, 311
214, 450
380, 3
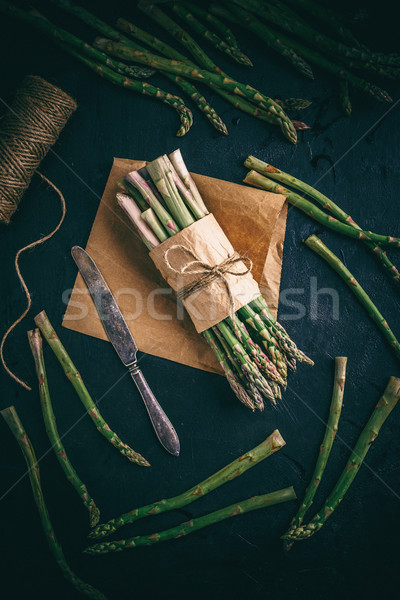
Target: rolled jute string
207, 273
27, 131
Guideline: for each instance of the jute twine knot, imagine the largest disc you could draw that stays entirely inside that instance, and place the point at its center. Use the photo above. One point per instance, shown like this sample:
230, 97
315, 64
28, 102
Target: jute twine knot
207, 273
27, 132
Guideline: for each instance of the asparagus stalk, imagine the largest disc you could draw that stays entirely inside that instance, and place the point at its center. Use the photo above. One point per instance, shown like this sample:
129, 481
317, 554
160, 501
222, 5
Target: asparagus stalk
36, 346
325, 15
328, 65
215, 22
246, 19
11, 418
100, 63
264, 168
162, 177
327, 442
144, 188
182, 11
369, 434
180, 68
344, 97
211, 68
128, 188
254, 503
237, 101
230, 375
294, 103
269, 446
75, 378
319, 247
303, 30
258, 180
181, 169
134, 213
185, 85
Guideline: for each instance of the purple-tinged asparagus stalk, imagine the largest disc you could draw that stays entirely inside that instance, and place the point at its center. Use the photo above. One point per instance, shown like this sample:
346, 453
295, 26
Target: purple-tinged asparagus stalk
135, 215
180, 167
186, 194
140, 184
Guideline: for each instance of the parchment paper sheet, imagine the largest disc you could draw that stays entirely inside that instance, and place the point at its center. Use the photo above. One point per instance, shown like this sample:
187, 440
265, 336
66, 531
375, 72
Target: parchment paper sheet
253, 220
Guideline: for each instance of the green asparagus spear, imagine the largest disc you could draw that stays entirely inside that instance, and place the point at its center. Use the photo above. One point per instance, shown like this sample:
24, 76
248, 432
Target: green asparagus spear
344, 97
272, 444
36, 345
101, 63
258, 165
327, 442
319, 247
215, 22
11, 418
193, 525
198, 27
258, 180
75, 378
246, 19
368, 435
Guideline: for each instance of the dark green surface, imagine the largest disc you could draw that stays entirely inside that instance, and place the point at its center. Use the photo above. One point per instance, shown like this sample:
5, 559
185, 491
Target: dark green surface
356, 553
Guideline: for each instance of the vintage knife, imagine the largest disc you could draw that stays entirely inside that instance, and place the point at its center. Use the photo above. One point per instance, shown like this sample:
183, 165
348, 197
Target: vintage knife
124, 344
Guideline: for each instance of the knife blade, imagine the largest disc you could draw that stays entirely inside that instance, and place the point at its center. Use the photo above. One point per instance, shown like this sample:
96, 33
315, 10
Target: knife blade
122, 340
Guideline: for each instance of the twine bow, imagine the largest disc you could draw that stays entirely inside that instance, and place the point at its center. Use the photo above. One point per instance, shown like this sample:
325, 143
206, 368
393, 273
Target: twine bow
207, 273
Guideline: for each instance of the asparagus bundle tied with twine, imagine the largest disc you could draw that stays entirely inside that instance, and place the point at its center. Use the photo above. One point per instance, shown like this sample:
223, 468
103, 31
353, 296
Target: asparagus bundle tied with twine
253, 350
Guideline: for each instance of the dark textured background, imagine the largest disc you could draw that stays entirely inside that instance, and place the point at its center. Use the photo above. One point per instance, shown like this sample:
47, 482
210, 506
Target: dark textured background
356, 553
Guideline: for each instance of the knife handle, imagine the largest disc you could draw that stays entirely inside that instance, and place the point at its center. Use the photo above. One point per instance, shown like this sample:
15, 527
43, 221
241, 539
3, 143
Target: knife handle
162, 425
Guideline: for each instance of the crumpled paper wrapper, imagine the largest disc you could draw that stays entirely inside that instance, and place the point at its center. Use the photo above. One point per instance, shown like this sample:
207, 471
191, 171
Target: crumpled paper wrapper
178, 260
254, 222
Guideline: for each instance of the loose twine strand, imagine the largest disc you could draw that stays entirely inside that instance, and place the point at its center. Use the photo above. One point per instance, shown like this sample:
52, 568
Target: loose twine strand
207, 273
31, 126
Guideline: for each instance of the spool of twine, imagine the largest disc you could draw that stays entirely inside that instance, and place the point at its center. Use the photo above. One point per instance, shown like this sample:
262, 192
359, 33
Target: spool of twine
27, 132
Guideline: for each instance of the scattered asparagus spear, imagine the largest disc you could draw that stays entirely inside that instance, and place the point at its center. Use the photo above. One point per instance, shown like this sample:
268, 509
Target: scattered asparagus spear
261, 167
258, 180
36, 345
215, 22
326, 446
319, 247
198, 27
193, 525
246, 19
237, 101
302, 29
369, 434
269, 446
75, 378
315, 10
209, 68
11, 418
294, 103
100, 63
344, 97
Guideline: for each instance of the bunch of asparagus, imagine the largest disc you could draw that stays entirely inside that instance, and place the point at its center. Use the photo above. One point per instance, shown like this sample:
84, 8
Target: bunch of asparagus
111, 57
253, 349
268, 177
285, 27
298, 530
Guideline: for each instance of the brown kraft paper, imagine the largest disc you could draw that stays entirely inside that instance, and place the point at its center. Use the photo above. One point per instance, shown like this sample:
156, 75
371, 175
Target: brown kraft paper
205, 240
254, 221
